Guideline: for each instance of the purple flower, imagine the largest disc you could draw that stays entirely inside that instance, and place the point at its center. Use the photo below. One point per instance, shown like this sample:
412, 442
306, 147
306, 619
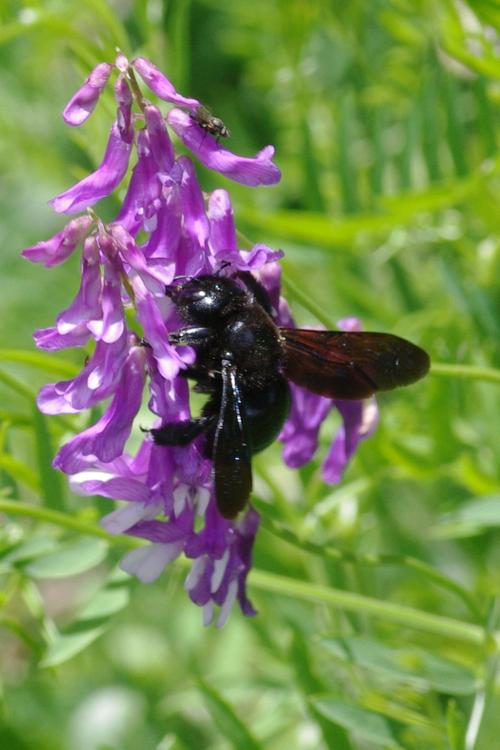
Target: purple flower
107, 437
100, 183
257, 170
61, 245
166, 228
300, 433
82, 103
160, 85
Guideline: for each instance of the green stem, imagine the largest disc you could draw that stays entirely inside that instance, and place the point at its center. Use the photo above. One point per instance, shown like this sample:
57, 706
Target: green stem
39, 513
472, 372
136, 89
28, 393
372, 560
296, 293
17, 386
305, 590
486, 690
388, 611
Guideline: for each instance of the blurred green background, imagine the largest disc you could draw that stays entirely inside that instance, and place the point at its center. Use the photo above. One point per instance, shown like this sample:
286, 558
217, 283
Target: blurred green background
385, 119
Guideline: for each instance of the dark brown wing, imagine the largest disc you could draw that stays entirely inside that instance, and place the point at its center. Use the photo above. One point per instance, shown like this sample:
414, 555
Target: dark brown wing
231, 454
351, 365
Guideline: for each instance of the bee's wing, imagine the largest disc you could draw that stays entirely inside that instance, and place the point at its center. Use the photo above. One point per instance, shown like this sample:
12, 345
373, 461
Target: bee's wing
351, 364
231, 452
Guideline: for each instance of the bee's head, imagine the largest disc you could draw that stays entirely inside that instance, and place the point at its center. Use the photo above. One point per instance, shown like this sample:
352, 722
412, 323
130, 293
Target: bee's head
206, 299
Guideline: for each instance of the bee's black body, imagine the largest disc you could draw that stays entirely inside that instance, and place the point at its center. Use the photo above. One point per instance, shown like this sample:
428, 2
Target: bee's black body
239, 353
243, 363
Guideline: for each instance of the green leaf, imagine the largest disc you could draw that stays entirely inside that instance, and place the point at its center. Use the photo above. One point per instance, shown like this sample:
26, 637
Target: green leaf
474, 517
455, 726
226, 720
41, 361
20, 471
335, 737
363, 724
69, 559
414, 667
105, 603
38, 545
68, 645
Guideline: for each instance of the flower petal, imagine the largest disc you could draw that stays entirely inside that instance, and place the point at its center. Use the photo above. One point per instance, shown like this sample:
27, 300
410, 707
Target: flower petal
195, 222
124, 99
96, 381
107, 437
160, 85
162, 150
301, 431
100, 183
359, 421
147, 563
111, 325
156, 333
258, 170
51, 340
82, 103
222, 227
86, 307
122, 519
61, 245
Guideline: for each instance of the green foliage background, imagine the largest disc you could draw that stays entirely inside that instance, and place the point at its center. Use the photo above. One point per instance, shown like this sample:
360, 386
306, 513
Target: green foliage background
378, 599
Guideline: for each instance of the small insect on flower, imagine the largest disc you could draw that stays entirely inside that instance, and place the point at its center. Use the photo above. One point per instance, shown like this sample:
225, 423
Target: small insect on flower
213, 125
244, 361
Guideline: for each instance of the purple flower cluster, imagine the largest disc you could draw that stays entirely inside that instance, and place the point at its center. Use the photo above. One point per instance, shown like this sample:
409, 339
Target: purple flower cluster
166, 227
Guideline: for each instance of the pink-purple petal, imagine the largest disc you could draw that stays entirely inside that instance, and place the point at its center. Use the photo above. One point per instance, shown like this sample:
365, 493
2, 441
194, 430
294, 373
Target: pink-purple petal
257, 170
162, 150
111, 325
96, 381
100, 183
123, 96
359, 420
83, 102
195, 223
107, 437
51, 340
160, 85
222, 227
59, 247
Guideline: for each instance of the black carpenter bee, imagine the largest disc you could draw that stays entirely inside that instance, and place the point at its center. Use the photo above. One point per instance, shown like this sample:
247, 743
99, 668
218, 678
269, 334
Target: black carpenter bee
244, 361
209, 122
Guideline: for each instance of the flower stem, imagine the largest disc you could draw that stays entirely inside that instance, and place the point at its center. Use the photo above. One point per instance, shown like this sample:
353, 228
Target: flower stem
136, 89
471, 372
305, 590
298, 294
373, 560
389, 611
39, 513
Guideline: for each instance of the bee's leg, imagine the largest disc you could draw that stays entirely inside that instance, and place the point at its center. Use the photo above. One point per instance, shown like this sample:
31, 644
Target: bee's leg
179, 433
192, 336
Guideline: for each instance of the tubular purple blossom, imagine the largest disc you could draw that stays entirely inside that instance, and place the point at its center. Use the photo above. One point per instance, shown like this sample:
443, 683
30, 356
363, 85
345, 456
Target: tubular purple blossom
257, 170
83, 102
166, 229
61, 245
100, 183
107, 437
160, 85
